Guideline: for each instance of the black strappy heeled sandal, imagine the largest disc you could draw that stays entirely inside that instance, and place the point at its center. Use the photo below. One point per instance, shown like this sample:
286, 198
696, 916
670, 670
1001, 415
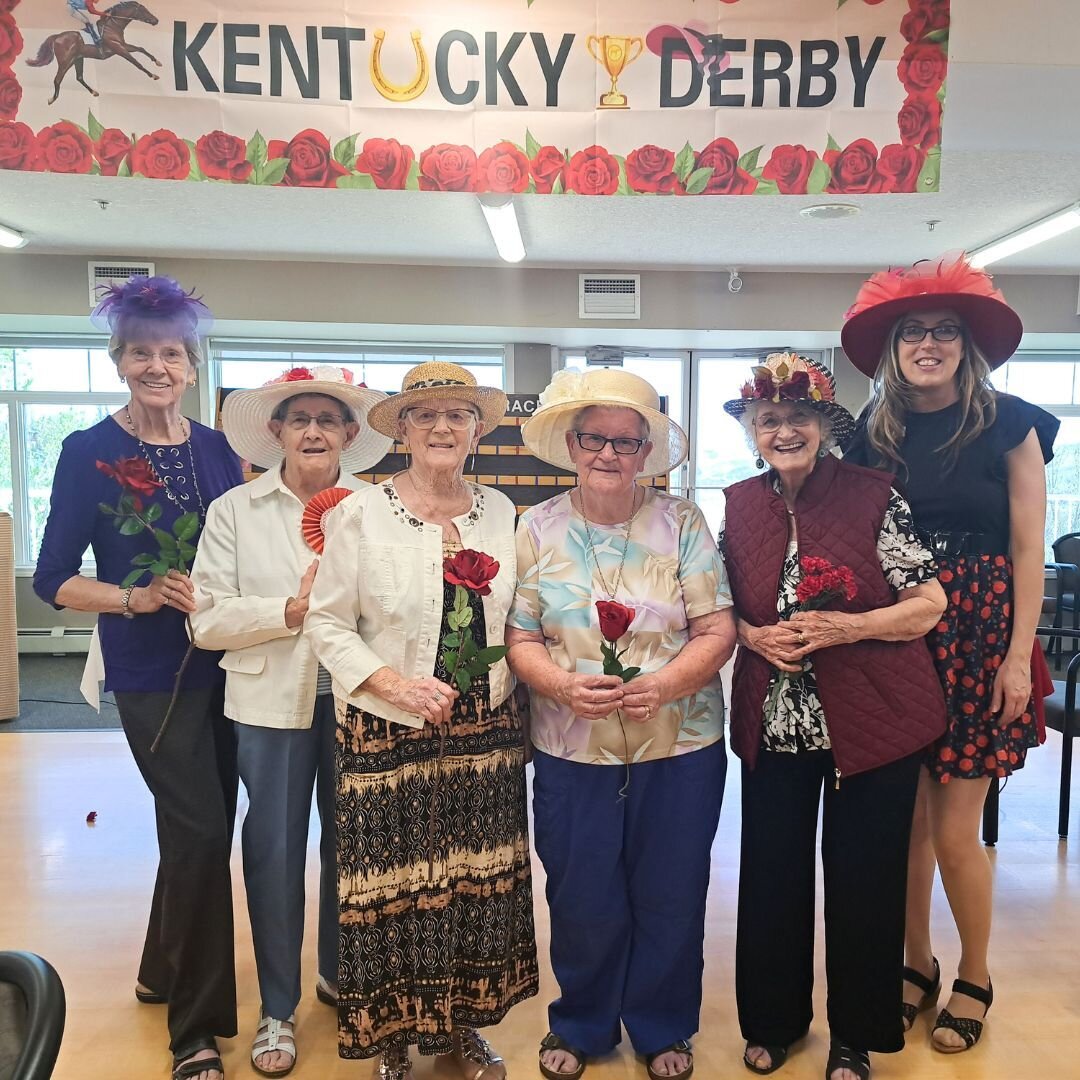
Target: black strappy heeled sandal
969, 1030
842, 1056
931, 988
777, 1057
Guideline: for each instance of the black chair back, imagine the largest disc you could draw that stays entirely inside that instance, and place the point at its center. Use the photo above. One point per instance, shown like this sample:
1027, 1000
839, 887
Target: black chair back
32, 1022
1067, 550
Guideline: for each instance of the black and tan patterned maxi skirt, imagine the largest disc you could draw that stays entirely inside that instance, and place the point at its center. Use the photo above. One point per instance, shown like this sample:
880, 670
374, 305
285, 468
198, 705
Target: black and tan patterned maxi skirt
436, 908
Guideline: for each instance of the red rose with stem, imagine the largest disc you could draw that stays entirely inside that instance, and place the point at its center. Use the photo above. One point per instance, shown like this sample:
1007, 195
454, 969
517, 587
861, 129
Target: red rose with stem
651, 169
853, 167
898, 168
11, 41
161, 156
923, 67
10, 94
615, 620
592, 171
722, 156
919, 121
472, 570
311, 162
548, 166
18, 146
468, 571
134, 474
789, 168
223, 157
503, 168
112, 149
64, 148
925, 17
447, 167
386, 161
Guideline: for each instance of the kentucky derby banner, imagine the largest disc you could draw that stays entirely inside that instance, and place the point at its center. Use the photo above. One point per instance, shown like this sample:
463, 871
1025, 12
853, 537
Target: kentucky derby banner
553, 97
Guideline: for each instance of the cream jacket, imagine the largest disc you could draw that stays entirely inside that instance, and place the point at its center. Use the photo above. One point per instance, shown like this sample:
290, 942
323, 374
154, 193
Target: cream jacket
251, 559
378, 597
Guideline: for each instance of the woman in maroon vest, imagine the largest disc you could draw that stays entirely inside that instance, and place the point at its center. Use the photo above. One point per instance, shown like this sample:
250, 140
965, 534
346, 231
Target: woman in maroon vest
972, 462
836, 692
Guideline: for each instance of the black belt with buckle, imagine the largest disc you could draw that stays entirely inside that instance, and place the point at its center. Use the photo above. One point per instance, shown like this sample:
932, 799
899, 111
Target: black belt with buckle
951, 544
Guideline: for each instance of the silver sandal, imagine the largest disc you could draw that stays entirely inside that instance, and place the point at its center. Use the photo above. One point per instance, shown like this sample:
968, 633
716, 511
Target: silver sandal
394, 1064
473, 1049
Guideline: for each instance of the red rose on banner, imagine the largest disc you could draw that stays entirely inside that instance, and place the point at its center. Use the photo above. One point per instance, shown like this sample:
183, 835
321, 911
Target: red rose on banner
223, 157
650, 168
64, 148
18, 147
920, 121
10, 95
592, 171
133, 474
922, 67
386, 161
722, 156
789, 168
924, 18
111, 149
161, 156
548, 165
472, 569
11, 41
898, 168
447, 167
7, 6
311, 164
852, 168
502, 168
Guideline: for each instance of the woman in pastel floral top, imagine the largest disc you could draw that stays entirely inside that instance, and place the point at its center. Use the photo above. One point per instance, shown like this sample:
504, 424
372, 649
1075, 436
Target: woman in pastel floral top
629, 775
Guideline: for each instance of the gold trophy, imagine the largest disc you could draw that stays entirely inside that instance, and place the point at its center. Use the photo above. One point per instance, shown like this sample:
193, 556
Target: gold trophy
615, 54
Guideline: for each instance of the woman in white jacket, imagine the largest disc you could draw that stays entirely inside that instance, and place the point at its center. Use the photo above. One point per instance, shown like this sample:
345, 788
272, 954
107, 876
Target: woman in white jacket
252, 579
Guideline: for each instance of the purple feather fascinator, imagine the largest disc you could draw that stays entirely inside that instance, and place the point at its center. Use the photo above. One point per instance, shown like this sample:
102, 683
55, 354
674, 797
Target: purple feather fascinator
153, 306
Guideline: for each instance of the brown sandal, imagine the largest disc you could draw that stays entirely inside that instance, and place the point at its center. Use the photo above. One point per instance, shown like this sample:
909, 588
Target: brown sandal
551, 1041
681, 1047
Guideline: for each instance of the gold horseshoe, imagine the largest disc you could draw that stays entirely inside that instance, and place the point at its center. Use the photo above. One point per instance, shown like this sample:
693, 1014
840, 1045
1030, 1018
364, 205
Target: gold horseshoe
399, 91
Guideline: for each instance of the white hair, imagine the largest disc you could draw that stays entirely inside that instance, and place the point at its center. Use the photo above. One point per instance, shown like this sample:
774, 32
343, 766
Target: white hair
747, 421
579, 417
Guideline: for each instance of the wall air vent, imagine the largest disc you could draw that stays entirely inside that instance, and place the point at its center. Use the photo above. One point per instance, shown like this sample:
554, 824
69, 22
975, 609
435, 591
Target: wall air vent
609, 296
105, 272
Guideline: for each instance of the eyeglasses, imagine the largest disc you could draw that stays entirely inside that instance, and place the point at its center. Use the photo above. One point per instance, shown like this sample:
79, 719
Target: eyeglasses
914, 333
458, 419
167, 355
797, 418
587, 440
326, 421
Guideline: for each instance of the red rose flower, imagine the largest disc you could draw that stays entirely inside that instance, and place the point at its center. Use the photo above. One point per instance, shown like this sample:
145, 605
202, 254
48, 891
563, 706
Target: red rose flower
502, 168
615, 619
898, 168
7, 6
649, 168
11, 41
853, 167
64, 148
789, 168
133, 474
386, 161
472, 569
592, 171
10, 95
924, 18
111, 149
548, 165
722, 156
223, 157
295, 374
311, 163
447, 167
920, 121
922, 67
18, 147
161, 156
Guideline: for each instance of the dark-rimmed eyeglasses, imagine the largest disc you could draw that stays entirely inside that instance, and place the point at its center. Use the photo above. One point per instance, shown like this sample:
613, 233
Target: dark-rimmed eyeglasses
594, 443
914, 333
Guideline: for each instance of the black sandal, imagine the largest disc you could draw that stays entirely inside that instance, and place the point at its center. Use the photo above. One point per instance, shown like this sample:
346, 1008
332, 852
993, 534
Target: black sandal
931, 988
777, 1057
842, 1056
681, 1047
184, 1068
551, 1041
149, 997
969, 1030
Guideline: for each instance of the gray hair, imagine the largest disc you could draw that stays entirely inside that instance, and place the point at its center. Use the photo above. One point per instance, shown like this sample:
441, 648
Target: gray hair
747, 421
579, 416
282, 409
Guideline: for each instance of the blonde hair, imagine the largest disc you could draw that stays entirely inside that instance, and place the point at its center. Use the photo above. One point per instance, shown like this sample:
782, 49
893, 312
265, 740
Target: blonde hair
893, 398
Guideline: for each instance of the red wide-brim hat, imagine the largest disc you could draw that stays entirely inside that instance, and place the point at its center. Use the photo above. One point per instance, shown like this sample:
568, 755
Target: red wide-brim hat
927, 286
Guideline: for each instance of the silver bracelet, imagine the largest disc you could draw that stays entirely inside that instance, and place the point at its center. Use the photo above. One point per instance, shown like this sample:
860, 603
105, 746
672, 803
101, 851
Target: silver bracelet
125, 602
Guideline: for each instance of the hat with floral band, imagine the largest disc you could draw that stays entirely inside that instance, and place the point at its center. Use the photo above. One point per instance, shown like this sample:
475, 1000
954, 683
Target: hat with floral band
434, 380
246, 414
569, 391
950, 282
790, 377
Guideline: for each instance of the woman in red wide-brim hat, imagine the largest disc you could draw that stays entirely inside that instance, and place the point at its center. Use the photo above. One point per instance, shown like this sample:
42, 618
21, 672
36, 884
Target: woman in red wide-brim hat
972, 462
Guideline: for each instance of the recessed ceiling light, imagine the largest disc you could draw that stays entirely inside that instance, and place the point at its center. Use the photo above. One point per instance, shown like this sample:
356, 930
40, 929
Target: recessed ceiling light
829, 211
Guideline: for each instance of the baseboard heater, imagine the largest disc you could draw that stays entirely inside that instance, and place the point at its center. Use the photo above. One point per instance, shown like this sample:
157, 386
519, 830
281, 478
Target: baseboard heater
55, 640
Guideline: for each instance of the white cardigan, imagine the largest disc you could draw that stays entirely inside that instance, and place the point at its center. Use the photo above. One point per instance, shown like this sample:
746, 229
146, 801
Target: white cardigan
250, 561
378, 597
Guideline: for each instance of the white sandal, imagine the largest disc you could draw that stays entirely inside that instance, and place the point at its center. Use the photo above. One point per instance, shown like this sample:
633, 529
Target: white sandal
274, 1035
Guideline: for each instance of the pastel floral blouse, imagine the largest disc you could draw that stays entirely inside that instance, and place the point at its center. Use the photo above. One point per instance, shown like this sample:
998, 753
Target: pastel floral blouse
673, 573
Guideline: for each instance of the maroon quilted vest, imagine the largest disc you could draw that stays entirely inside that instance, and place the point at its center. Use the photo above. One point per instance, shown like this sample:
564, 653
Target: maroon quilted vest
882, 699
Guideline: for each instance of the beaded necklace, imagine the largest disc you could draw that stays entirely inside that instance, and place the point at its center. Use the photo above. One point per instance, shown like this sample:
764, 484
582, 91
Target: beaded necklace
611, 592
169, 457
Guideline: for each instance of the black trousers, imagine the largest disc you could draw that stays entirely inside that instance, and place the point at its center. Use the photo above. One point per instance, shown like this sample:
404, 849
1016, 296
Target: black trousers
188, 955
866, 830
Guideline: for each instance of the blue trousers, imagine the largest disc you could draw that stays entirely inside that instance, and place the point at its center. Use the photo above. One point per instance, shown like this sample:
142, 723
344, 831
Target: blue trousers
279, 769
626, 886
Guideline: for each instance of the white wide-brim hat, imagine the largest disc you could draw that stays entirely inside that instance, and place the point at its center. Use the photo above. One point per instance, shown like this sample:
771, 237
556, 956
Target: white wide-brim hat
544, 433
245, 416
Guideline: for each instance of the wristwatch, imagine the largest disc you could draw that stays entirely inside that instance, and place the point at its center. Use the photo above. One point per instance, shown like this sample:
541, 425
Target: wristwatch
126, 601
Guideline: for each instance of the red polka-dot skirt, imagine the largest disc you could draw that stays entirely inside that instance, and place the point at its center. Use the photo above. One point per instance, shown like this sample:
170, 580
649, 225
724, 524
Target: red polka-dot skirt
968, 646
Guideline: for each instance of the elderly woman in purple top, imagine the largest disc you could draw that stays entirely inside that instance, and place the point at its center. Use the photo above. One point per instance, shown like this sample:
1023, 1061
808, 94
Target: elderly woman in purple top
187, 959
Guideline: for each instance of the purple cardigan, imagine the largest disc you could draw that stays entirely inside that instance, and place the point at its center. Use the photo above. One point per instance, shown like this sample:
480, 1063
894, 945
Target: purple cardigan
141, 654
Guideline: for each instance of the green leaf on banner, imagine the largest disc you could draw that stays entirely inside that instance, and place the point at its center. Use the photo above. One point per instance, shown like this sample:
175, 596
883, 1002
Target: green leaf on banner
273, 172
412, 181
938, 37
196, 172
624, 185
356, 181
93, 127
558, 187
256, 149
749, 160
819, 178
684, 162
124, 168
930, 174
698, 180
130, 527
767, 187
345, 152
532, 147
840, 4
832, 144
79, 126
186, 526
941, 94
131, 578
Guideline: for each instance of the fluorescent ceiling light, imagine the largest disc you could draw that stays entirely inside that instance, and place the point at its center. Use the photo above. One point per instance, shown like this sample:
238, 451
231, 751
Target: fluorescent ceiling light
1039, 232
11, 238
503, 223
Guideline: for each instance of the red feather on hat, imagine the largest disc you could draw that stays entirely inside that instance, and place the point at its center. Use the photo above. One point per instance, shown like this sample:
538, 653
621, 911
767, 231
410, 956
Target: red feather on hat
925, 279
